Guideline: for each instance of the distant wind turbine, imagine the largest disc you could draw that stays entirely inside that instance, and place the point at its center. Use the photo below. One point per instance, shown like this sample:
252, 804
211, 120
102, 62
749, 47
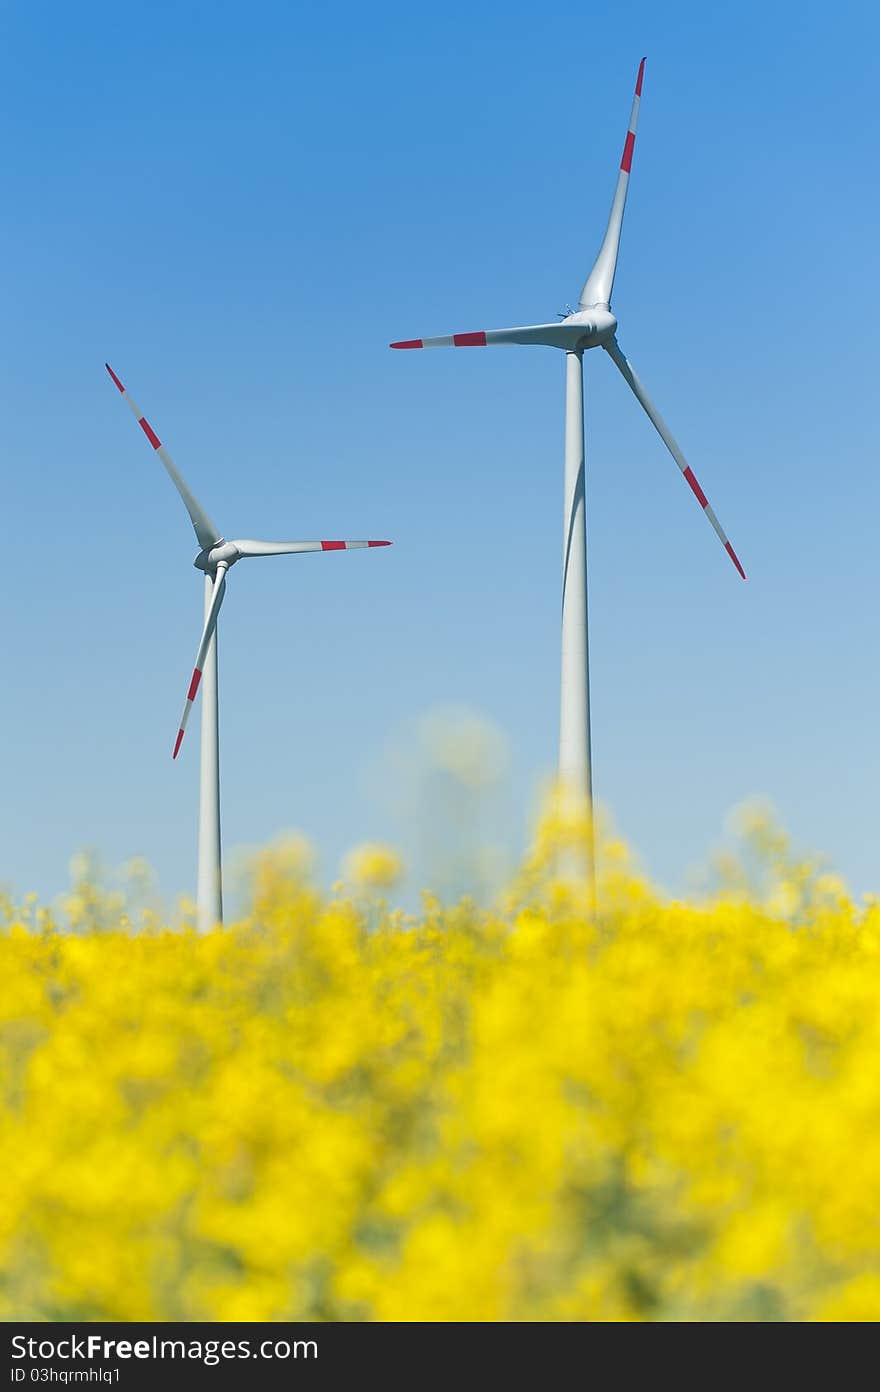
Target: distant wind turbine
591, 325
215, 558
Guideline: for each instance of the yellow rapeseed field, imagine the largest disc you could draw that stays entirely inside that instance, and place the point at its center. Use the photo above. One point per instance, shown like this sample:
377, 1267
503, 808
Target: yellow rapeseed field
328, 1110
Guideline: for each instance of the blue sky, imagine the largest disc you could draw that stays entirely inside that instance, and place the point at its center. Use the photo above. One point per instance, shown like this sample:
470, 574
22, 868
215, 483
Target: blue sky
240, 206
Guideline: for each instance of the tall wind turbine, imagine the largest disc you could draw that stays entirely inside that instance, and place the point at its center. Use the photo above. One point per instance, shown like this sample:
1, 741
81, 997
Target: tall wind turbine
215, 557
591, 325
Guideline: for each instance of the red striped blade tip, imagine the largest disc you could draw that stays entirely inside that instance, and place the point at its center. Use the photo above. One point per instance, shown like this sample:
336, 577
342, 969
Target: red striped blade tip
380, 543
177, 744
640, 77
407, 343
735, 558
115, 378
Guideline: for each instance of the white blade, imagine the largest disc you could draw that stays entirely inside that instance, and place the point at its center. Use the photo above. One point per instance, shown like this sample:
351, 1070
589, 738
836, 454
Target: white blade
613, 350
204, 528
597, 287
207, 635
558, 335
290, 548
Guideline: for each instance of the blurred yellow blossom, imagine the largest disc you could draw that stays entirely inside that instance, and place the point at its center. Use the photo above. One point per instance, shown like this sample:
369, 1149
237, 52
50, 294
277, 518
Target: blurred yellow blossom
373, 866
660, 1110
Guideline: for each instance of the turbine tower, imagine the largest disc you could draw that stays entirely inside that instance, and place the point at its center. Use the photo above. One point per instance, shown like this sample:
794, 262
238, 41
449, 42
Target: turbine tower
216, 556
591, 325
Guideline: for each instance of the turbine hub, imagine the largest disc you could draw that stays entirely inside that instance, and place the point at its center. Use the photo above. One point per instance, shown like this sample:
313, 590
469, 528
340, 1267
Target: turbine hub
223, 551
597, 322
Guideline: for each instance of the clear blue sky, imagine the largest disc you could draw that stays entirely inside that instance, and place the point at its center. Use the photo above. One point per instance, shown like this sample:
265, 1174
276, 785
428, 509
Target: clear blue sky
239, 206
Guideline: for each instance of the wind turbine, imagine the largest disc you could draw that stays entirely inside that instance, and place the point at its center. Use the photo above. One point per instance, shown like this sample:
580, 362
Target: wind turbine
591, 325
216, 556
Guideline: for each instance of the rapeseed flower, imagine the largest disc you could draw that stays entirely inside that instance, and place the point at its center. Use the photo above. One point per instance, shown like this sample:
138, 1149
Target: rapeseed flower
551, 1109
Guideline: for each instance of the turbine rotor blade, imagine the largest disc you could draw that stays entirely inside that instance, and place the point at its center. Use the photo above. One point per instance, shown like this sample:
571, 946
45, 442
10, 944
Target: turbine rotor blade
289, 548
204, 644
599, 283
613, 350
204, 528
557, 335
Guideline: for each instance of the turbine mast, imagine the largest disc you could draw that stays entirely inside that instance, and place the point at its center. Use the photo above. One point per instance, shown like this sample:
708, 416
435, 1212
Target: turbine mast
209, 895
575, 765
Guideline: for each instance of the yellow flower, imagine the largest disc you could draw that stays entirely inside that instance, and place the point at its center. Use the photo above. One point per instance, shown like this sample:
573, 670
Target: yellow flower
544, 1110
373, 866
857, 1300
